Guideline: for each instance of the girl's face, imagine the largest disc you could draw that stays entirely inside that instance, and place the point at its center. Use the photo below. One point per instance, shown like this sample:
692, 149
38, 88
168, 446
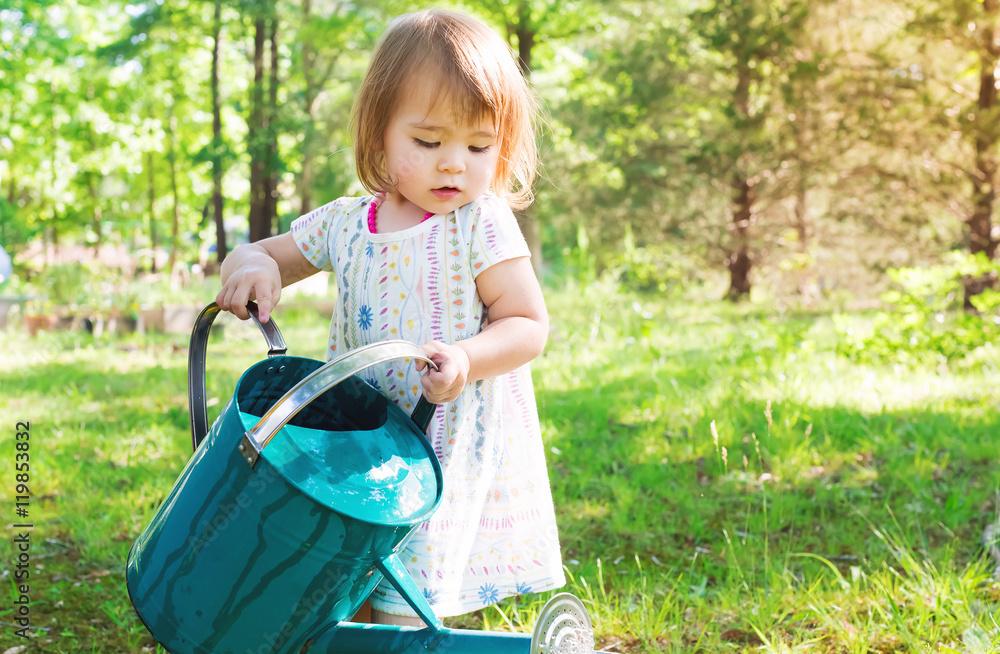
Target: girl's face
438, 161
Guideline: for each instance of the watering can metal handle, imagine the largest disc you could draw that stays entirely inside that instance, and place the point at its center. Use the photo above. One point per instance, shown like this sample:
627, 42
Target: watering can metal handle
323, 379
197, 404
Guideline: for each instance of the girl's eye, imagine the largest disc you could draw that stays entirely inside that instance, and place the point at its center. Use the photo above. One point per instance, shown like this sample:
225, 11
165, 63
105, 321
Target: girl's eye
473, 148
425, 144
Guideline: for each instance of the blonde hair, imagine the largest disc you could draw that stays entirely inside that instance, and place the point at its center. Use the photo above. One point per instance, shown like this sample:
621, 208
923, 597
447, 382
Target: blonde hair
480, 75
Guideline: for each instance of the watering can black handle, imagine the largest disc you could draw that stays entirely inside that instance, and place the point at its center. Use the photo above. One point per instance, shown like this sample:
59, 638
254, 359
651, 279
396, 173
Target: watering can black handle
323, 379
197, 403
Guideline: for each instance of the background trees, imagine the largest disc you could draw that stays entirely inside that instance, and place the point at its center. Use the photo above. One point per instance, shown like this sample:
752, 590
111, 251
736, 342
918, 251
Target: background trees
800, 145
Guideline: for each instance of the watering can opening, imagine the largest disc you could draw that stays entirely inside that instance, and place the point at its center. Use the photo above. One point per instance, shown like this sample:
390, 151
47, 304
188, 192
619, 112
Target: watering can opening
268, 381
351, 450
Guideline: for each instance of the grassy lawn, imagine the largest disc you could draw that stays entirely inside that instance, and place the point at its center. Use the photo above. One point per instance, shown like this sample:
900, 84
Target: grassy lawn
724, 481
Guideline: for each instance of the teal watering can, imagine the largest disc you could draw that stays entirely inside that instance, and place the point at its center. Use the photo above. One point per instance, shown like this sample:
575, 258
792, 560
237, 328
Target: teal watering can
293, 507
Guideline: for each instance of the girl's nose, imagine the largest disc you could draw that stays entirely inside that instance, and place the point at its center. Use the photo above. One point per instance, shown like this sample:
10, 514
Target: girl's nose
451, 162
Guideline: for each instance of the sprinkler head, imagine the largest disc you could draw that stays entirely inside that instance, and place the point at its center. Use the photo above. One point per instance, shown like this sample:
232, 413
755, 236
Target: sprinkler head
563, 627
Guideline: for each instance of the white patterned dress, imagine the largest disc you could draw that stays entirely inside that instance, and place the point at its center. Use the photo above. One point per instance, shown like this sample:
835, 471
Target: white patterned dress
494, 534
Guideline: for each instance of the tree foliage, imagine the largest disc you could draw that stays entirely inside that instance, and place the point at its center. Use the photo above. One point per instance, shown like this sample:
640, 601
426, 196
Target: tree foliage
807, 146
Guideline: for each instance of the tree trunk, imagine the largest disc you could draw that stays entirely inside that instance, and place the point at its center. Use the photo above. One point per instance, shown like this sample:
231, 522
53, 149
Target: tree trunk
740, 259
5, 238
151, 175
984, 185
309, 135
271, 123
217, 201
54, 239
98, 231
94, 197
802, 207
801, 219
802, 230
259, 225
53, 251
802, 181
175, 225
525, 33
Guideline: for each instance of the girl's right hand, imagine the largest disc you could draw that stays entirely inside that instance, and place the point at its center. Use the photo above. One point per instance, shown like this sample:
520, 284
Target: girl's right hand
258, 271
249, 273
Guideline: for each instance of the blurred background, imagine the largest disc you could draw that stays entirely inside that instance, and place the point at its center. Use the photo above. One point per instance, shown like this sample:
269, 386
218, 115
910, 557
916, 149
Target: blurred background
792, 149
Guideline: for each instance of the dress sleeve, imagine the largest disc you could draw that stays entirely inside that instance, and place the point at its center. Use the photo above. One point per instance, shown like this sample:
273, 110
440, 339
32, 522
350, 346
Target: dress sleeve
312, 233
496, 236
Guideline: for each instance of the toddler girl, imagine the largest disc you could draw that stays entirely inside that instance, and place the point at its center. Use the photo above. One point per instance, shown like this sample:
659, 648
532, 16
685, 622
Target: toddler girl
444, 140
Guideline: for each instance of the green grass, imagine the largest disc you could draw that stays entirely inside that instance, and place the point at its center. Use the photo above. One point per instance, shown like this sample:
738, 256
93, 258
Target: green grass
834, 507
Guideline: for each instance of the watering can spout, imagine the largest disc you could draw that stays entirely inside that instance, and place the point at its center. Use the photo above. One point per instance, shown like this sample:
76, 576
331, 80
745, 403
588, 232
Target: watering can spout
392, 569
351, 638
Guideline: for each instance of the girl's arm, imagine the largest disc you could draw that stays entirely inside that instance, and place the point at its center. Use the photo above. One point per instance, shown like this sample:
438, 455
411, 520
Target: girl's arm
515, 334
258, 271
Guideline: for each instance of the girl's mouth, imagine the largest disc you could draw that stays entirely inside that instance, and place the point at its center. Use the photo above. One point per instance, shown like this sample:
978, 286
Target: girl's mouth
445, 192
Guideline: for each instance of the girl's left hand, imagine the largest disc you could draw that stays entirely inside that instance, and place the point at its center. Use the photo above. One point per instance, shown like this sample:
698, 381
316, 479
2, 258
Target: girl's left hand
446, 383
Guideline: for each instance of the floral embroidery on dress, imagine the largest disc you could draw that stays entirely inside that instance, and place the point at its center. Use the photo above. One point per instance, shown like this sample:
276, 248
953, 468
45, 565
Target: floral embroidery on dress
488, 594
365, 316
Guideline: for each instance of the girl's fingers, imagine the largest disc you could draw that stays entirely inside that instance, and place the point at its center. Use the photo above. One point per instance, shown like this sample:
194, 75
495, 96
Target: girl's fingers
220, 298
445, 383
264, 302
238, 303
440, 387
227, 298
234, 298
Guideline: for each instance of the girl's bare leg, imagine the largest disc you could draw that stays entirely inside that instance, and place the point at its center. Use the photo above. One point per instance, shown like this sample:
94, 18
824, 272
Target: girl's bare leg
379, 617
367, 615
364, 614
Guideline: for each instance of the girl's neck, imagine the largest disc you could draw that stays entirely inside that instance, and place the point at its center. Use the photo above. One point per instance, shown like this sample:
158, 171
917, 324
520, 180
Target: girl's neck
395, 213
